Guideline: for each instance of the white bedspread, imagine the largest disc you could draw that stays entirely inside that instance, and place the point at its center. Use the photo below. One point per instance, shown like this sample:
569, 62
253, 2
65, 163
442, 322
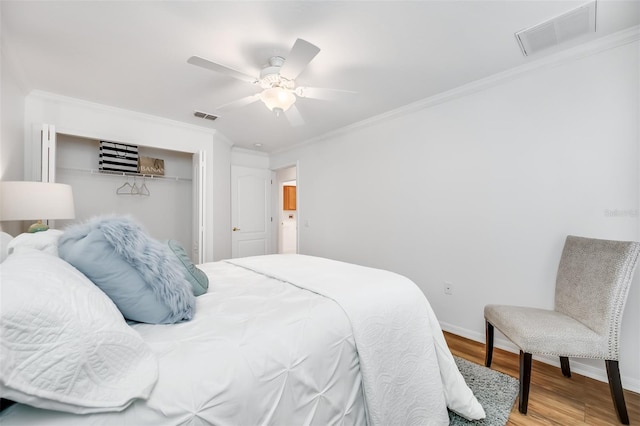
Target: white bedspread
409, 375
260, 351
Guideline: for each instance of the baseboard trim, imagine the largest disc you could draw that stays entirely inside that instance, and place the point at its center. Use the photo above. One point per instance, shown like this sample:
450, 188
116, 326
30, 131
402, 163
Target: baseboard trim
629, 383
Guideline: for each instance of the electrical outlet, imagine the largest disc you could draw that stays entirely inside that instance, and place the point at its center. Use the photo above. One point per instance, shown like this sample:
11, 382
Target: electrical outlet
448, 288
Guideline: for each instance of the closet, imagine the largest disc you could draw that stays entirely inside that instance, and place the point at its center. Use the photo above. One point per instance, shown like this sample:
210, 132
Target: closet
162, 204
189, 204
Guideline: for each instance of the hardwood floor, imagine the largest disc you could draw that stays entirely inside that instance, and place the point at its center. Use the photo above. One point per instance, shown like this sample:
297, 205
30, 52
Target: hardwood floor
553, 398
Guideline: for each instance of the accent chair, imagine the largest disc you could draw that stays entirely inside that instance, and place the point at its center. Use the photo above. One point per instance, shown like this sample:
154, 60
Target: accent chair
592, 285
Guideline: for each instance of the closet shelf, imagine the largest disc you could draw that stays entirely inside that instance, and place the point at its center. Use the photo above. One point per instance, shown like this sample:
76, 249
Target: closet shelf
124, 174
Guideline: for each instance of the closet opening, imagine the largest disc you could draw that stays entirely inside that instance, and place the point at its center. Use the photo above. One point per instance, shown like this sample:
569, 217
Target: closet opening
161, 199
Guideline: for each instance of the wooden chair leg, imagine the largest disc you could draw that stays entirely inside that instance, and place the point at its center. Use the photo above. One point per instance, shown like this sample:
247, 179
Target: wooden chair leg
617, 394
564, 365
525, 381
488, 356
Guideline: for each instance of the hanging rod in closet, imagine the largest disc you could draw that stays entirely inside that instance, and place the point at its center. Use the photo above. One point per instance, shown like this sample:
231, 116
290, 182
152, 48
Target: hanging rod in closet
125, 174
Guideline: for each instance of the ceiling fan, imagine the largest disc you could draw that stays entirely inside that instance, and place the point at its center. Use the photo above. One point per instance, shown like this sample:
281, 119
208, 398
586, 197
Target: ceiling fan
277, 80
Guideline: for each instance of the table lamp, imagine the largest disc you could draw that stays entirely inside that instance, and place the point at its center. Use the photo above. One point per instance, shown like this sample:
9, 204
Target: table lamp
35, 201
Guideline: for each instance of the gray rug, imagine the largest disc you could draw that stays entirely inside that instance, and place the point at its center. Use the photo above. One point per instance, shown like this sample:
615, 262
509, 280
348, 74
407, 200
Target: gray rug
494, 390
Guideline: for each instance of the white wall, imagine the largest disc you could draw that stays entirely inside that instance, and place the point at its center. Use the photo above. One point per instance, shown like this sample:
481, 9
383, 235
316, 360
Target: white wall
221, 192
481, 190
247, 158
12, 94
94, 121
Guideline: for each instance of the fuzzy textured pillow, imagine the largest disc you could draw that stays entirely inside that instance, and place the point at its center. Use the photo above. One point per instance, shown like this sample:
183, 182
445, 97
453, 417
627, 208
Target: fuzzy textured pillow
141, 275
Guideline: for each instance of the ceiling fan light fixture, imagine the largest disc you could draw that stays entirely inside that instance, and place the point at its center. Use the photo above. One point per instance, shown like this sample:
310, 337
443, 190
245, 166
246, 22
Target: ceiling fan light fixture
278, 99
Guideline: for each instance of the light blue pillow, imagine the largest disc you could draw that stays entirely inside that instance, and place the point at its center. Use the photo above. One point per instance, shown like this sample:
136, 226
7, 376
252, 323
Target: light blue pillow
198, 279
142, 276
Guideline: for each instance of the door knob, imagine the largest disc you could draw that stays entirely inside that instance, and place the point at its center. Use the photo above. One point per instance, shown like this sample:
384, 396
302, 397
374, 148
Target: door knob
235, 229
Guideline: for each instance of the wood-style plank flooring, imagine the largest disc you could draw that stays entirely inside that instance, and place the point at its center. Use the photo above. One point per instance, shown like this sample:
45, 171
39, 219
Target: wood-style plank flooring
553, 399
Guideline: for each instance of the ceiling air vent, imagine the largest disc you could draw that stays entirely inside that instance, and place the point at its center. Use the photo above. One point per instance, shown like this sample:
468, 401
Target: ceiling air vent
565, 27
205, 115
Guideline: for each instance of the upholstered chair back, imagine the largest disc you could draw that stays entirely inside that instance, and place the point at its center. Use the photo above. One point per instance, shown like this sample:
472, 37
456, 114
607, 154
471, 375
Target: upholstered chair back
593, 283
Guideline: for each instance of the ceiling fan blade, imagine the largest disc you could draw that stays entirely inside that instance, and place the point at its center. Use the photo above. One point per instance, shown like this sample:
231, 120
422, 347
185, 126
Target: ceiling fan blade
301, 54
205, 63
323, 94
239, 103
293, 116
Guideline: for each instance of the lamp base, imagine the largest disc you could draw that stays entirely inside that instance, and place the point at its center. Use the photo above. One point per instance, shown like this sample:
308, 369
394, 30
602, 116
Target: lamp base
37, 227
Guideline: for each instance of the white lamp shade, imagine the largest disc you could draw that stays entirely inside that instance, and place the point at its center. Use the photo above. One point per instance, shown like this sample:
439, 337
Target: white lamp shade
35, 201
277, 97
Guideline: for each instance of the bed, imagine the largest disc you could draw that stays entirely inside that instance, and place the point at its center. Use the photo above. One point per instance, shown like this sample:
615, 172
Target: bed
275, 340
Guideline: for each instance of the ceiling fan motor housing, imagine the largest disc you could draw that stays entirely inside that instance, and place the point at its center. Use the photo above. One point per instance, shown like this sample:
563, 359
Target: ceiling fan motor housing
270, 75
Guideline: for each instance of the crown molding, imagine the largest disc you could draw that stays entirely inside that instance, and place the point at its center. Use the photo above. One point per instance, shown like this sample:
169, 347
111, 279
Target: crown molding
249, 151
609, 42
54, 97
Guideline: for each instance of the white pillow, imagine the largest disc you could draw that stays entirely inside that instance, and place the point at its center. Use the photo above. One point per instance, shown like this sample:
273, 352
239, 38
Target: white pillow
5, 239
65, 346
46, 241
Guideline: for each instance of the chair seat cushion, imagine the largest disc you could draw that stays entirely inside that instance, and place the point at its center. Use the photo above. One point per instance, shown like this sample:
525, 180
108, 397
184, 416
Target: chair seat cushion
544, 332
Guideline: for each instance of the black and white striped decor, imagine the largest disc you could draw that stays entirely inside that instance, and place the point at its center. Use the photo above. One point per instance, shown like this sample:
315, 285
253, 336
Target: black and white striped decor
118, 157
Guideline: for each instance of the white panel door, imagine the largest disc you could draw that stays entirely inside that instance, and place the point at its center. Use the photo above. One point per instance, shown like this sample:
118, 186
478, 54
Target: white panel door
48, 153
48, 159
250, 211
199, 211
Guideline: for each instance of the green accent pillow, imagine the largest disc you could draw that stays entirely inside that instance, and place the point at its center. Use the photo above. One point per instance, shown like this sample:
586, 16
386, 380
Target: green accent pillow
197, 278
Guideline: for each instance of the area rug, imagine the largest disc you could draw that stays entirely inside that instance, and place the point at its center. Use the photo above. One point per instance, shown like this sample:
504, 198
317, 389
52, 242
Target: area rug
494, 390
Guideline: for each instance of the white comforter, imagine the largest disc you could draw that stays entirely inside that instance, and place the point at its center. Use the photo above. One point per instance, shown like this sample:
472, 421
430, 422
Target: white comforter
409, 375
261, 351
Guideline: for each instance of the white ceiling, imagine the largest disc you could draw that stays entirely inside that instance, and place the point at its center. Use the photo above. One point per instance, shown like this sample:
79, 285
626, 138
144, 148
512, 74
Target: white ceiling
133, 54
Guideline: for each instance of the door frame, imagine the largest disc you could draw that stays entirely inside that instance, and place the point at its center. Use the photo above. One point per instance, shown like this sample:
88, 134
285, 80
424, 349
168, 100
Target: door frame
276, 203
